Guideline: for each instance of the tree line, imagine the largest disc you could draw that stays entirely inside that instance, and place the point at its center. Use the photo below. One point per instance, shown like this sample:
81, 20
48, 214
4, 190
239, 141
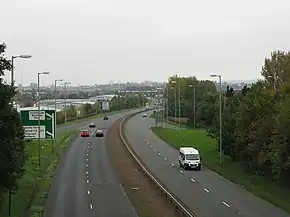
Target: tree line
12, 146
255, 120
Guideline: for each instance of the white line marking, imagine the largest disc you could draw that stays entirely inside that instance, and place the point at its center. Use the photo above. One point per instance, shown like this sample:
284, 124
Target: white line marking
206, 190
154, 149
181, 171
89, 192
172, 165
226, 204
87, 154
88, 181
87, 165
91, 206
150, 146
192, 180
165, 158
158, 153
87, 172
87, 159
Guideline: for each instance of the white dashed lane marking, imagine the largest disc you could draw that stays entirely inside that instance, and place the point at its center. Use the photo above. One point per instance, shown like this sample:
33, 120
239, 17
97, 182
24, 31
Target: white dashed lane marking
87, 159
89, 192
226, 204
87, 172
91, 206
165, 158
192, 180
88, 181
87, 165
181, 171
158, 153
172, 165
206, 190
154, 149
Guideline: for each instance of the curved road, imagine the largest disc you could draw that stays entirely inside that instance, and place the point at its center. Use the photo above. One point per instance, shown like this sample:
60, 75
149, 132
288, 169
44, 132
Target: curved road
206, 193
85, 184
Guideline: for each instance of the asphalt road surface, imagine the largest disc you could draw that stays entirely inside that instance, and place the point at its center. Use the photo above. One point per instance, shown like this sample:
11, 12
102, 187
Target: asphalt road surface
206, 193
85, 184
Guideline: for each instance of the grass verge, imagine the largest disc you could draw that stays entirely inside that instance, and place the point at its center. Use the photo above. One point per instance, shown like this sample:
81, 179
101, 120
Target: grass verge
35, 178
232, 170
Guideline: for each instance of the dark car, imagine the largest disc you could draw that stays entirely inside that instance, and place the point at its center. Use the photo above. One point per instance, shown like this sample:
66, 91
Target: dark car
85, 133
99, 133
106, 118
92, 124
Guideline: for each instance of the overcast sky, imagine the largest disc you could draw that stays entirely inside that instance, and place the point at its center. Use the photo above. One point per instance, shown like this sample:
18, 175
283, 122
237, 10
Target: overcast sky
93, 41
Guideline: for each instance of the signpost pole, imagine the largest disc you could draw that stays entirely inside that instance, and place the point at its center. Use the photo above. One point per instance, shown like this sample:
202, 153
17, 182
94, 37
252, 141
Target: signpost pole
38, 91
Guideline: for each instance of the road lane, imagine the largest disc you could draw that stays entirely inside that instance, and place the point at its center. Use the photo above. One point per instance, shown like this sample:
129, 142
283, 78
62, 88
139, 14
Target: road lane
205, 192
84, 182
81, 124
67, 196
107, 194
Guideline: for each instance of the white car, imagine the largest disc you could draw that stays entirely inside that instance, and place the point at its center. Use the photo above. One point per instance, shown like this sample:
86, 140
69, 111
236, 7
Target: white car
99, 133
189, 158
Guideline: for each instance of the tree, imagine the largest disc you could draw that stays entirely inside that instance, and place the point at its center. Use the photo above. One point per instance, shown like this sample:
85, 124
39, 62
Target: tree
12, 153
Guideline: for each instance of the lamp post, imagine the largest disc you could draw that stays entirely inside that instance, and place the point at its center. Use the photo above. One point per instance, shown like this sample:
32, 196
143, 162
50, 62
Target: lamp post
179, 102
12, 70
65, 96
12, 63
220, 89
38, 100
175, 110
55, 93
12, 85
194, 106
167, 103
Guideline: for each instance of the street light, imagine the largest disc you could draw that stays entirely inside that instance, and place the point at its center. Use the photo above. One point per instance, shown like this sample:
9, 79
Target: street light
175, 110
194, 106
38, 91
55, 94
12, 63
220, 87
12, 85
65, 96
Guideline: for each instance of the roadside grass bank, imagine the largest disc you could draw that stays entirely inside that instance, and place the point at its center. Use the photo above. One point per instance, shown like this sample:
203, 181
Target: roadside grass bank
35, 178
234, 171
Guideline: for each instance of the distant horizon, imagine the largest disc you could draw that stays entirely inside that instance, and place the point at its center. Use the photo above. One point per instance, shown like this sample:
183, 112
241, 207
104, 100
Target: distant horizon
137, 82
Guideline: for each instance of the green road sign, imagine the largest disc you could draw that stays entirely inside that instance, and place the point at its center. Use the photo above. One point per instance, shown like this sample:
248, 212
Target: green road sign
30, 124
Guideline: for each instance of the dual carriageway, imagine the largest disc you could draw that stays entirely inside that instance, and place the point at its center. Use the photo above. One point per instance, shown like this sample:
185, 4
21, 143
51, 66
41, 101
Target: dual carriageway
85, 184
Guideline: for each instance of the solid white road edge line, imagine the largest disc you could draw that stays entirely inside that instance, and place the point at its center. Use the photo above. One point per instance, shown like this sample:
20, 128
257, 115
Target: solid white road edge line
226, 204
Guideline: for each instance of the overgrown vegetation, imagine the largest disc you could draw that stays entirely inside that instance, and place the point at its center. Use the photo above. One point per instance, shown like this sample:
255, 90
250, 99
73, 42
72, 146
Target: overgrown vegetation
256, 119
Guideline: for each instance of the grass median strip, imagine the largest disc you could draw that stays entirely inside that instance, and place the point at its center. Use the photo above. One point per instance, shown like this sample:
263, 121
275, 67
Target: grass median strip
34, 176
232, 170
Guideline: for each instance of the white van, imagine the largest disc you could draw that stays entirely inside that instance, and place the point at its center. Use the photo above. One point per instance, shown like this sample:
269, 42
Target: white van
189, 158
